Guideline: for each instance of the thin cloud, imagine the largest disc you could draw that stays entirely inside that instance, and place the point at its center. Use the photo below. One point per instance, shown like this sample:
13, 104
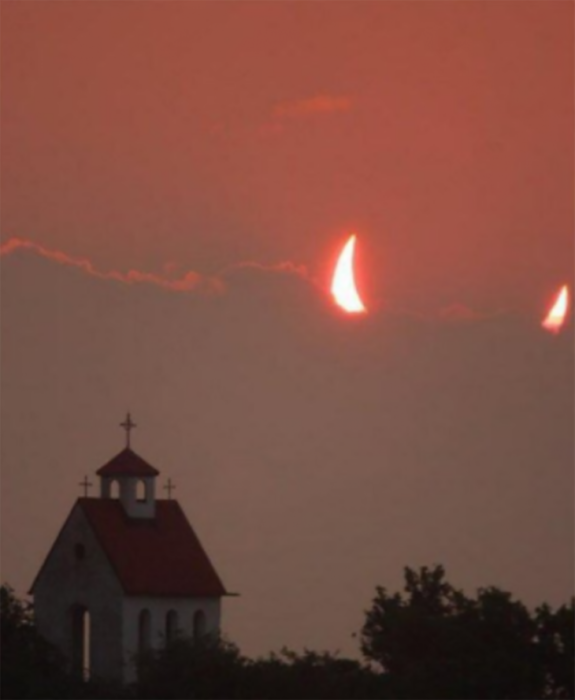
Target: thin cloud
286, 267
460, 313
320, 104
191, 281
454, 313
218, 284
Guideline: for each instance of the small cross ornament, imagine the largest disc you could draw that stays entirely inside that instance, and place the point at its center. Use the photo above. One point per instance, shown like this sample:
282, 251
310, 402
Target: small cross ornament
86, 485
169, 487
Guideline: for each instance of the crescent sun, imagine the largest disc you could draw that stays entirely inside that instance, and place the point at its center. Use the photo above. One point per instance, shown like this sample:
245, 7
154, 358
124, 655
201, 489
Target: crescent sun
343, 286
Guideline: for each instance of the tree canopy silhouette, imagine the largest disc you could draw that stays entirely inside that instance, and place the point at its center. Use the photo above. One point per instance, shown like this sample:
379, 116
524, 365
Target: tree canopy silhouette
428, 641
214, 668
432, 641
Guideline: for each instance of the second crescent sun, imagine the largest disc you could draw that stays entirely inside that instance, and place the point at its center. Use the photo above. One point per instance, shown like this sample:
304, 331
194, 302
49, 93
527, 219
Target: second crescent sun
556, 317
343, 286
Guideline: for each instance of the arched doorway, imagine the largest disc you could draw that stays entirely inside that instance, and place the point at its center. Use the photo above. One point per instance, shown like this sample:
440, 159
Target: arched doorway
81, 642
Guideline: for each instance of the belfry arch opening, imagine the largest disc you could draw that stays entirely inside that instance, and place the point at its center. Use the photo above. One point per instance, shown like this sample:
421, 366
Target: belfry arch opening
81, 642
115, 489
141, 490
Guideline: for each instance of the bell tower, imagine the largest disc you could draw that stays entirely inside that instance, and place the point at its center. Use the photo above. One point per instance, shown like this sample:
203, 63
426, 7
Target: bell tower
132, 478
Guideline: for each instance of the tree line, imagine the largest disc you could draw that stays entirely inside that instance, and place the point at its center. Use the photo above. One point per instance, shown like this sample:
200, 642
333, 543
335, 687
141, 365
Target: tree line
429, 640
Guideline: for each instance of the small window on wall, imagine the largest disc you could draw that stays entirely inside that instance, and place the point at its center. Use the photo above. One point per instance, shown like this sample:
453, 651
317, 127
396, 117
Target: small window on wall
199, 624
114, 489
141, 491
171, 626
79, 551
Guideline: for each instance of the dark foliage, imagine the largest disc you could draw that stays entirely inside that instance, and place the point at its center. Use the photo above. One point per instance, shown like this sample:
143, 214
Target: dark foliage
434, 642
430, 641
189, 669
31, 667
556, 636
216, 669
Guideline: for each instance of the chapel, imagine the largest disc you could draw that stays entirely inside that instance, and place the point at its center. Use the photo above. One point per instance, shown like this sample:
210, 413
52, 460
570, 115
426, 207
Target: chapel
126, 573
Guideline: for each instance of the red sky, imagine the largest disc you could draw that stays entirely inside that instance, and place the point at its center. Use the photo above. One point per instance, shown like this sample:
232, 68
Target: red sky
140, 134
241, 142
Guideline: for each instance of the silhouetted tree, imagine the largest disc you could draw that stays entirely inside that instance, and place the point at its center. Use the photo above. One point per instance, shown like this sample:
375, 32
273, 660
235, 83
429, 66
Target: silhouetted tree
312, 675
215, 669
188, 668
434, 642
556, 635
31, 667
430, 641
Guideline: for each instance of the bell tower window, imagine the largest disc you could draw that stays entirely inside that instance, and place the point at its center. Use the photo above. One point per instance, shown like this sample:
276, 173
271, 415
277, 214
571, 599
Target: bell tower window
115, 489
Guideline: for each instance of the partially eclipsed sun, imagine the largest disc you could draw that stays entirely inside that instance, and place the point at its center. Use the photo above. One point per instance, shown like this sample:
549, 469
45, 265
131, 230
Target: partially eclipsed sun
343, 283
556, 316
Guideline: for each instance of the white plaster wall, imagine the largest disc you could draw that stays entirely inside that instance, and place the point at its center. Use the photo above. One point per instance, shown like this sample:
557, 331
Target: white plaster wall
66, 581
159, 607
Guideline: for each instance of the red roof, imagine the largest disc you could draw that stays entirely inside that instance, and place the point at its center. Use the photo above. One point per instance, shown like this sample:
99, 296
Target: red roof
127, 463
160, 556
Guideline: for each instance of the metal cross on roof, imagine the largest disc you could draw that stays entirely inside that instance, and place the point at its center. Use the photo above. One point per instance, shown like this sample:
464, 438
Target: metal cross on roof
86, 484
169, 487
128, 425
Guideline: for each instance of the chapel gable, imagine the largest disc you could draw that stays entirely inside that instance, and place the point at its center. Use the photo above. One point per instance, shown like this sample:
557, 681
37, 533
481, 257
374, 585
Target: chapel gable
126, 572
